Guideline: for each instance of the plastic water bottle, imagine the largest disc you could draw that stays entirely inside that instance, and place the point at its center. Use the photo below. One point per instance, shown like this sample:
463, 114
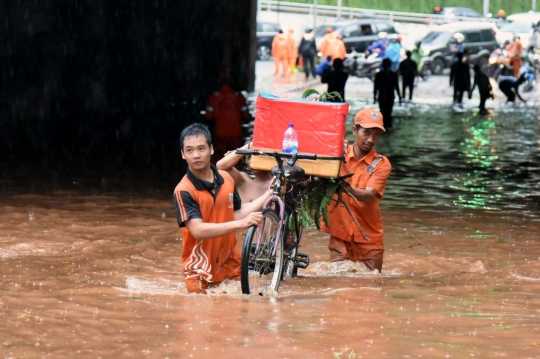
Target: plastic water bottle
290, 140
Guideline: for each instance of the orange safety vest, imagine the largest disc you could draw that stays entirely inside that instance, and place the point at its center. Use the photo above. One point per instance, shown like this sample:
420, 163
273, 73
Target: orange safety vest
215, 259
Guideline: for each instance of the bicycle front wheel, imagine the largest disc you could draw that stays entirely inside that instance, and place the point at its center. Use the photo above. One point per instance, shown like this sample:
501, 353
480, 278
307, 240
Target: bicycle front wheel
261, 264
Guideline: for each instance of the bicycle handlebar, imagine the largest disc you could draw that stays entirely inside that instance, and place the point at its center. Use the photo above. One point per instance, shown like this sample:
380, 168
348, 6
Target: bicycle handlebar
275, 154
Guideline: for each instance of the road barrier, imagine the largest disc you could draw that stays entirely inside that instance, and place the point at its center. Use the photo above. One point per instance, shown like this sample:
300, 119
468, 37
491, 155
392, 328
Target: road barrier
355, 13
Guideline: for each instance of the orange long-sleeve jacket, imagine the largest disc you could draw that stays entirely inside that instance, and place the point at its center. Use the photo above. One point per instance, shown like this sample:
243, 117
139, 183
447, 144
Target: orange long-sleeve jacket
280, 46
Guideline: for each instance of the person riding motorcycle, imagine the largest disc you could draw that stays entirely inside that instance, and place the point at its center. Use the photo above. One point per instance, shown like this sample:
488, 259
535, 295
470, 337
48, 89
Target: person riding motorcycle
393, 51
457, 45
379, 46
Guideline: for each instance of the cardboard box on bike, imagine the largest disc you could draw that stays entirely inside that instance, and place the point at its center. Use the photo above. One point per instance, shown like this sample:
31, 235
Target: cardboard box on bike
320, 127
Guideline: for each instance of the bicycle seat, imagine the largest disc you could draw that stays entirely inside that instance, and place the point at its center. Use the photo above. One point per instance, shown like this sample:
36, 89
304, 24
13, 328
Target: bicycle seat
294, 173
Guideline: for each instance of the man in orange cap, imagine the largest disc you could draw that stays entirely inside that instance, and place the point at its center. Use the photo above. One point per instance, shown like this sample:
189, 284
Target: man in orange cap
362, 242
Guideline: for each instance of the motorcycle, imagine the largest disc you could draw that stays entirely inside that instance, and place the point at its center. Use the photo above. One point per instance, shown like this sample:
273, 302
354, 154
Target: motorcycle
499, 64
362, 65
529, 72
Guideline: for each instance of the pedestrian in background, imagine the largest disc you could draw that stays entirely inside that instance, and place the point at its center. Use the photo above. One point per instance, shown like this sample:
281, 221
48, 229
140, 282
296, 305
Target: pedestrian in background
514, 54
484, 88
417, 55
293, 51
326, 42
308, 51
385, 85
408, 70
460, 78
226, 110
509, 86
280, 51
336, 77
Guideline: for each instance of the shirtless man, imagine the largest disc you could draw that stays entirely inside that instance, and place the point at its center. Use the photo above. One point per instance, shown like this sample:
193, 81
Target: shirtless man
248, 188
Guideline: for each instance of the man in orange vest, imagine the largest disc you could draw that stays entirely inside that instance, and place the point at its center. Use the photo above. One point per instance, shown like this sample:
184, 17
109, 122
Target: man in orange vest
280, 51
514, 53
361, 240
227, 109
209, 212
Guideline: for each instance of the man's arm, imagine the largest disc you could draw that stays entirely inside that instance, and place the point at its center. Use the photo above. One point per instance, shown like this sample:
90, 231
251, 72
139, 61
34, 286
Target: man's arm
228, 162
375, 186
254, 205
202, 230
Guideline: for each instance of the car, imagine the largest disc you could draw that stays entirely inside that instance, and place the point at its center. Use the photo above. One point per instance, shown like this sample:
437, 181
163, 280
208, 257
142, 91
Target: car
357, 34
479, 41
452, 12
525, 31
265, 35
525, 25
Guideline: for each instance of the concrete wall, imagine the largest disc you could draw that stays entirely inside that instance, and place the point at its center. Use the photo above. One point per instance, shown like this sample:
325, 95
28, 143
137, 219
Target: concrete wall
90, 82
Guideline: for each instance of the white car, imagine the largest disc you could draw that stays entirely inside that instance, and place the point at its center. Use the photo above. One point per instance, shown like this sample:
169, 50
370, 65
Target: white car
521, 24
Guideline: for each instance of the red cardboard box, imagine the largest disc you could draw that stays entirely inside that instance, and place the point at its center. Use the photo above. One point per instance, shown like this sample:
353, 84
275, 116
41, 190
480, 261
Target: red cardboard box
320, 127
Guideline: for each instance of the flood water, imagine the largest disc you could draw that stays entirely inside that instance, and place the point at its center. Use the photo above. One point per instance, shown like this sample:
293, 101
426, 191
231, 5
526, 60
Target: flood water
93, 270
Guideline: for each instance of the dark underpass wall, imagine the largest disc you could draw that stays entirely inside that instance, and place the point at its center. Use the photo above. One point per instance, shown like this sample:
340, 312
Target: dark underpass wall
102, 86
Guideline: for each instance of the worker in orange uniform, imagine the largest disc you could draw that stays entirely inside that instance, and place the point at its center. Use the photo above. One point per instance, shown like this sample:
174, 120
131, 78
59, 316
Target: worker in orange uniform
514, 54
293, 51
362, 242
332, 45
280, 51
339, 48
326, 43
228, 110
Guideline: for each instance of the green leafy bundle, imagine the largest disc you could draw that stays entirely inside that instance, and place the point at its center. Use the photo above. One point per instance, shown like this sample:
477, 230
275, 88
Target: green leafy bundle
315, 201
314, 95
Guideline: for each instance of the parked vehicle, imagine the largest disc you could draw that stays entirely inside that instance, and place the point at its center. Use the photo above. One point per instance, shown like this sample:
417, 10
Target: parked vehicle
479, 43
453, 12
265, 34
357, 34
524, 29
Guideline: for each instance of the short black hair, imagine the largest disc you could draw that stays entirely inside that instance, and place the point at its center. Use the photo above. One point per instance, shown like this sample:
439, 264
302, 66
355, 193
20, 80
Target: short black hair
194, 130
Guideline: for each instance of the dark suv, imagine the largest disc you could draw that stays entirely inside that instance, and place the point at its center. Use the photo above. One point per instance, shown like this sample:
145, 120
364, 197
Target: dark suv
265, 35
357, 34
479, 43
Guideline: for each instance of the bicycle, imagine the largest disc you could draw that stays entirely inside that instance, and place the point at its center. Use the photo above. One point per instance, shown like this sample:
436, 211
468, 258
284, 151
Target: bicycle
270, 251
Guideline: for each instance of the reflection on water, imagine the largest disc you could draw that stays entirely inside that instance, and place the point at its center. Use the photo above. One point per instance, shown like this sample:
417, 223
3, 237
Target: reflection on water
94, 271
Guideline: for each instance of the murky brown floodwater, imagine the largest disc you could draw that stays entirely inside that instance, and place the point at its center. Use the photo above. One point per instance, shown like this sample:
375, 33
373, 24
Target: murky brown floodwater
97, 272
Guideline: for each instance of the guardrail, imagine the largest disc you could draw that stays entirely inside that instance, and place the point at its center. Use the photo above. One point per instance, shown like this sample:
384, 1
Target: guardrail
354, 13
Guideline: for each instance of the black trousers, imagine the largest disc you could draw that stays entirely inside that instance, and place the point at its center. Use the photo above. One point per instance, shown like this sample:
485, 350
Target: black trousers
309, 66
458, 92
407, 82
507, 90
386, 107
483, 99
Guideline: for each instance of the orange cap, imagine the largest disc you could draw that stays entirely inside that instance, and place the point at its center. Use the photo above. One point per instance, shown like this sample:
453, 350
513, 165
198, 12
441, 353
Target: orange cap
369, 118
